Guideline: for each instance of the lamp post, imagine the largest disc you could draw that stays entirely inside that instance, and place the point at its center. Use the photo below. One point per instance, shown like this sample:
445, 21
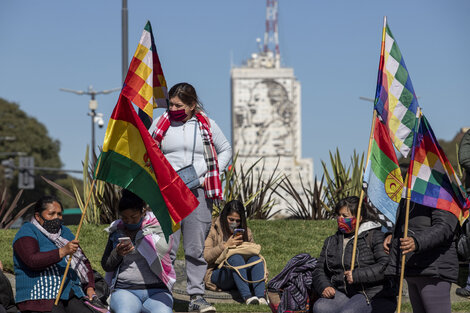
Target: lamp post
93, 106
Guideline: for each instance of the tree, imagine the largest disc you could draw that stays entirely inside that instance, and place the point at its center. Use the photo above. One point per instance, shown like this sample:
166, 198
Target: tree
30, 137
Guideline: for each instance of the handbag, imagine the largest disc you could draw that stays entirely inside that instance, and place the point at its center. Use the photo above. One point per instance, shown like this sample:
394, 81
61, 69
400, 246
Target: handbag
247, 250
188, 173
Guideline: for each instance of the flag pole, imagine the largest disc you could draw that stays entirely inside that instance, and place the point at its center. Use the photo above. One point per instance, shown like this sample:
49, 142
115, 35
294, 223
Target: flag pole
407, 214
359, 207
371, 137
76, 237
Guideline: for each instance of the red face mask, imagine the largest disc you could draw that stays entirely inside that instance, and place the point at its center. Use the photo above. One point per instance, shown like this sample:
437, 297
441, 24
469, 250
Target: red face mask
177, 116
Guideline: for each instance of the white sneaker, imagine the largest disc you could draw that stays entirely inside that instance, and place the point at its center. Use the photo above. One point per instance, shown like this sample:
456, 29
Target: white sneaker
262, 301
252, 300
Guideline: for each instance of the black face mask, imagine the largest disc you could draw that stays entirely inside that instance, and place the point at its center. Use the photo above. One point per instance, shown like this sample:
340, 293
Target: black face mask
52, 226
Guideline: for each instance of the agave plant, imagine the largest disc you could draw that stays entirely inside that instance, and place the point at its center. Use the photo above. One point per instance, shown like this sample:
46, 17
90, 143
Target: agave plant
308, 207
250, 188
6, 215
102, 197
344, 181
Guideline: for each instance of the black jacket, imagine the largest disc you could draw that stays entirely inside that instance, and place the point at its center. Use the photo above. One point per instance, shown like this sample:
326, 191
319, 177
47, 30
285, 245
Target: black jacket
434, 233
7, 301
370, 264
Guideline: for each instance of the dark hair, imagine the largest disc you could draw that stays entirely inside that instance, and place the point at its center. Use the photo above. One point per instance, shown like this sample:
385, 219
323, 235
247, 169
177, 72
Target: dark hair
234, 206
352, 204
42, 203
130, 200
187, 94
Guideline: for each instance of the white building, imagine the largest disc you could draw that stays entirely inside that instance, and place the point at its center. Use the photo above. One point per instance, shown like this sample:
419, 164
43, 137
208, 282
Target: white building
266, 120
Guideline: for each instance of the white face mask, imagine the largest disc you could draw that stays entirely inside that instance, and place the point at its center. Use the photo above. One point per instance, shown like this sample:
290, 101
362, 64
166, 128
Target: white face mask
233, 225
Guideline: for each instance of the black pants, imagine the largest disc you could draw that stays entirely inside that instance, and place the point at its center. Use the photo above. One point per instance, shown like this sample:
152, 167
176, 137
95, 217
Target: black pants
429, 294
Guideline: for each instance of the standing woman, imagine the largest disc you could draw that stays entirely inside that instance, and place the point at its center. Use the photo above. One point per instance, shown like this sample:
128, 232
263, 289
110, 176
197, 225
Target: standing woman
41, 249
432, 263
187, 136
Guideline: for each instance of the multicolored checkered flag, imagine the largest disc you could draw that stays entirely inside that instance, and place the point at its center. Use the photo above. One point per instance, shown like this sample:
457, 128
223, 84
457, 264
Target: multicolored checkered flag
395, 99
434, 182
145, 84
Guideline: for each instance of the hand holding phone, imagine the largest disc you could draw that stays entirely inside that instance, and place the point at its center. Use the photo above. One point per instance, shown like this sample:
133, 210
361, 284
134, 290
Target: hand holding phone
125, 240
125, 246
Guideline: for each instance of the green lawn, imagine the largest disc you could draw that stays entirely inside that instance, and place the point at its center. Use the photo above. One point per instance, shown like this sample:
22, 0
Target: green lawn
280, 241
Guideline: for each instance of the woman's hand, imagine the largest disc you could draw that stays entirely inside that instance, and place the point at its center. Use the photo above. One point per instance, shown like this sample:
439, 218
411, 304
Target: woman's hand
69, 249
234, 241
328, 292
407, 245
348, 276
90, 292
387, 243
124, 248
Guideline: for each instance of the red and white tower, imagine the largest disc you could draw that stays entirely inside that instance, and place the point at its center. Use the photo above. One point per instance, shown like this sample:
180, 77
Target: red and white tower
271, 34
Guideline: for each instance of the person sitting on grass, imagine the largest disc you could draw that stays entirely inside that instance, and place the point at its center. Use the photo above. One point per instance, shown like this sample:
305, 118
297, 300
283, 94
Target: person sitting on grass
41, 249
363, 289
222, 235
137, 260
7, 300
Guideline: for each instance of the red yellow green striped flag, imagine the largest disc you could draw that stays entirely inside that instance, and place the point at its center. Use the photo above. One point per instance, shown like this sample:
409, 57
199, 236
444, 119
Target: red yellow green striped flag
132, 160
145, 84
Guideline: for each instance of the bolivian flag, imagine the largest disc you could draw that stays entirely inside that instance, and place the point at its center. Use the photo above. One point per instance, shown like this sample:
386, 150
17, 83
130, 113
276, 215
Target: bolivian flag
383, 177
131, 159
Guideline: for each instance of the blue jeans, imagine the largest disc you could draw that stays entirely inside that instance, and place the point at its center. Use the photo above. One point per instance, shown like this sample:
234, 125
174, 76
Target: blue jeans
227, 279
141, 300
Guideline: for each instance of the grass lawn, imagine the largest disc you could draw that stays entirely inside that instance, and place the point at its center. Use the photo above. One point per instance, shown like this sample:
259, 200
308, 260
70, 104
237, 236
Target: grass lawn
280, 241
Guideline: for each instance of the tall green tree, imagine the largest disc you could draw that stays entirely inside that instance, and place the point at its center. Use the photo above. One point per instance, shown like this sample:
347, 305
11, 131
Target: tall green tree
31, 138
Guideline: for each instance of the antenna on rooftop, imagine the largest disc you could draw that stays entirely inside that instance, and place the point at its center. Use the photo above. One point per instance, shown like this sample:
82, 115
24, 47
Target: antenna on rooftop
271, 35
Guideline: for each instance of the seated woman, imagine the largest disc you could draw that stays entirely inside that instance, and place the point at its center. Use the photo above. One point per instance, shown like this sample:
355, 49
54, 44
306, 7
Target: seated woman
221, 236
7, 300
41, 249
364, 289
137, 260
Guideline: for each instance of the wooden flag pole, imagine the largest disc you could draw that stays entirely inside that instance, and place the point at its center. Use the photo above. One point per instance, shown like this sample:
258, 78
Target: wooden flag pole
407, 213
371, 137
405, 234
359, 207
76, 237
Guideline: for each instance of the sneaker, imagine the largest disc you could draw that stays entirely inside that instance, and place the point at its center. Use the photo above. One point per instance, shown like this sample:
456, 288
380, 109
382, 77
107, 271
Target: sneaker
262, 301
463, 292
199, 304
252, 300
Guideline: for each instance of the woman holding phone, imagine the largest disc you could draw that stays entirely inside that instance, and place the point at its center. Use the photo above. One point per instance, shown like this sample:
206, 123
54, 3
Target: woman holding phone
140, 279
230, 229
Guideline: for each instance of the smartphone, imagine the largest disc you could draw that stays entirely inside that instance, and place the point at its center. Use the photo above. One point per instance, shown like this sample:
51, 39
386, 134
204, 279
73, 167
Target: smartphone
125, 240
238, 231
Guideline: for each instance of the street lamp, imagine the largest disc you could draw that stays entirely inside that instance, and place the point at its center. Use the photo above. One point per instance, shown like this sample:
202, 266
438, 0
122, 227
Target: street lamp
93, 106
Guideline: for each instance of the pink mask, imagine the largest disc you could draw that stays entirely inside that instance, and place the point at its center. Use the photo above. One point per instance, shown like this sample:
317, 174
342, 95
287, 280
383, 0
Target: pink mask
177, 116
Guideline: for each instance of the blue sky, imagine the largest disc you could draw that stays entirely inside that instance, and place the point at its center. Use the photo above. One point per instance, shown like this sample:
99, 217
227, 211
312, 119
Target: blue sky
333, 47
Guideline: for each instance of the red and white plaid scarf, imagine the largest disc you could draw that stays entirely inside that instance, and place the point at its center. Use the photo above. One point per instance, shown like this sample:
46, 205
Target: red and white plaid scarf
212, 184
